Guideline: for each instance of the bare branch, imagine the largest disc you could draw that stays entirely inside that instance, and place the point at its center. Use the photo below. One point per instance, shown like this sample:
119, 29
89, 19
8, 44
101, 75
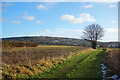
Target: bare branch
92, 33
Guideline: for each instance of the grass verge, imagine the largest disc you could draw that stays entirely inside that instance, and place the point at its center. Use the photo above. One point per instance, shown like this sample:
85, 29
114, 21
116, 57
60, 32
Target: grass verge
85, 65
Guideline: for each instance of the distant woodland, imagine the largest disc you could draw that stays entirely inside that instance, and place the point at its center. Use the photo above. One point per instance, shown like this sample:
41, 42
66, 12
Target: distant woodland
45, 40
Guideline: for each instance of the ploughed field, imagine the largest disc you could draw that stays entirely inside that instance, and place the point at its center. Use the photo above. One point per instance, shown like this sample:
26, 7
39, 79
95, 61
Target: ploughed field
48, 61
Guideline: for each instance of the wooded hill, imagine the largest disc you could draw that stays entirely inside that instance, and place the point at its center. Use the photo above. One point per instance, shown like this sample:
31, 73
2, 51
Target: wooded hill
45, 40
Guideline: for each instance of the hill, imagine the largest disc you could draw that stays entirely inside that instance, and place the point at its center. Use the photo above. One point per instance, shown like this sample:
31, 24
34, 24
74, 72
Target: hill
45, 40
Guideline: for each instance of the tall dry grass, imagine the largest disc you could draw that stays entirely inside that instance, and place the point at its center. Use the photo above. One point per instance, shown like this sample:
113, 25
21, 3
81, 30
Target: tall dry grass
31, 60
112, 61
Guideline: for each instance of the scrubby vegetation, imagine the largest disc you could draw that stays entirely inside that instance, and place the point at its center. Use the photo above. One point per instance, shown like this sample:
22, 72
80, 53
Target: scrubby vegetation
25, 62
18, 44
86, 65
53, 61
112, 61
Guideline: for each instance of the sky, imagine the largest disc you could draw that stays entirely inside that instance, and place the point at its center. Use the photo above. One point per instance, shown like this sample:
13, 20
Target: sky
58, 19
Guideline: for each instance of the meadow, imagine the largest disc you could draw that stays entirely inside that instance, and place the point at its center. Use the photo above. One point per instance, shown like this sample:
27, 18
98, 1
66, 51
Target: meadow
82, 66
55, 61
27, 61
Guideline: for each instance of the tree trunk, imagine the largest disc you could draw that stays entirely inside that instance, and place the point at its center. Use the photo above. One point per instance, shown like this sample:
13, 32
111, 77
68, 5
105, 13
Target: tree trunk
94, 43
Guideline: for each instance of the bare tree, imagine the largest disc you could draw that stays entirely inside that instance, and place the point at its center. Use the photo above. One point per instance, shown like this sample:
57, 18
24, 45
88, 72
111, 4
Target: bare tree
92, 33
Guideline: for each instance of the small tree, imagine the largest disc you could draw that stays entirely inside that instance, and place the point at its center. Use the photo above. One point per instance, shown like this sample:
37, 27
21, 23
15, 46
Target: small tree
92, 33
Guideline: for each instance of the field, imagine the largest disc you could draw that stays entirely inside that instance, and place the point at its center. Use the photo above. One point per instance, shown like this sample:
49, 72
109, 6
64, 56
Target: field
27, 61
33, 54
86, 65
53, 61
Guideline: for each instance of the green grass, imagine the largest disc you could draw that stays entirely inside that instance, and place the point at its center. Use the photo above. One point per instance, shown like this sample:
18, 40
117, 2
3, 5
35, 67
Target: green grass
54, 62
85, 65
21, 62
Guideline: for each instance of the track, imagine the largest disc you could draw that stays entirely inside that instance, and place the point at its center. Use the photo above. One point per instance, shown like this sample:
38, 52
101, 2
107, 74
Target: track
86, 65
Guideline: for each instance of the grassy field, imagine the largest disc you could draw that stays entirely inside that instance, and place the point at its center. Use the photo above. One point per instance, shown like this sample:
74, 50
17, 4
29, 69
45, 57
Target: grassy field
33, 54
86, 65
26, 62
52, 62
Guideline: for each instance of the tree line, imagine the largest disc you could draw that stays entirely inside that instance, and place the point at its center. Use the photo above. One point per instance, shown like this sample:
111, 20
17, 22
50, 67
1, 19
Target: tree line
18, 44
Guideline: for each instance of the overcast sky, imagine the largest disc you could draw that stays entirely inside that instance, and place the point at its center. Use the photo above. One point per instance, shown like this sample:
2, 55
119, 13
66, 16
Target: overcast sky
58, 19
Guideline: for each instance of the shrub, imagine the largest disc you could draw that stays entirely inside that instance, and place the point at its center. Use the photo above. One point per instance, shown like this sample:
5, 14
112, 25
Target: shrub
18, 44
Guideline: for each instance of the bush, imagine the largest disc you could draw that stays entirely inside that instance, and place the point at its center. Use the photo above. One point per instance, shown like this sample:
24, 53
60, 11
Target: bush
18, 44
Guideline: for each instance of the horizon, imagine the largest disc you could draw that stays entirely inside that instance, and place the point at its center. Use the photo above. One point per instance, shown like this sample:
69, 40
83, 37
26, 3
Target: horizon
58, 19
54, 37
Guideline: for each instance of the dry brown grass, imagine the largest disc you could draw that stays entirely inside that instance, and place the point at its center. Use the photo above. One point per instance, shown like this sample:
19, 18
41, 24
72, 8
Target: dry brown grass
32, 60
24, 55
112, 60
